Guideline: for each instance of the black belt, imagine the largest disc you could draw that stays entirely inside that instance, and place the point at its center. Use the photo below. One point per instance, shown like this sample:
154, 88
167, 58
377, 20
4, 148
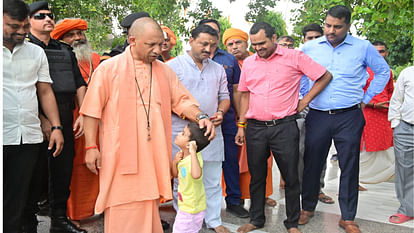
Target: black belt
273, 122
341, 110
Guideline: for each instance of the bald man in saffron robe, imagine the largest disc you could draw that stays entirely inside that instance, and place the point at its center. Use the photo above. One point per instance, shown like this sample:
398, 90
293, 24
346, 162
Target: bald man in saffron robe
131, 97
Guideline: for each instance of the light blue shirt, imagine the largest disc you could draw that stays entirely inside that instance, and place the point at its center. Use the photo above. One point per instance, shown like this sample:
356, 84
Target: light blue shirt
209, 87
347, 63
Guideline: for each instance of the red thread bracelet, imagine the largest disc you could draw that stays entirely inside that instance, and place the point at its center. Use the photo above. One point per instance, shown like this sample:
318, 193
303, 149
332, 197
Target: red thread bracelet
91, 147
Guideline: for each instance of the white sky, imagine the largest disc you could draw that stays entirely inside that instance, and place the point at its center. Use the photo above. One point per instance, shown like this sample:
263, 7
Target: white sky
238, 9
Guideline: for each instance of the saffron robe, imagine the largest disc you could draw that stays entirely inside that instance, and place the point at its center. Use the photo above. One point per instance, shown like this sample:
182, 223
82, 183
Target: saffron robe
84, 184
139, 171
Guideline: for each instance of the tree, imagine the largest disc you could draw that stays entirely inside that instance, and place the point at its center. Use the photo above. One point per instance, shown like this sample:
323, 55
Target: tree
261, 10
390, 21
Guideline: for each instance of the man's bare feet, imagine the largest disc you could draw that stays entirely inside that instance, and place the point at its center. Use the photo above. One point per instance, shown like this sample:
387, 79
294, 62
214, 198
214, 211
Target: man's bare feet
270, 202
221, 229
360, 188
294, 230
246, 228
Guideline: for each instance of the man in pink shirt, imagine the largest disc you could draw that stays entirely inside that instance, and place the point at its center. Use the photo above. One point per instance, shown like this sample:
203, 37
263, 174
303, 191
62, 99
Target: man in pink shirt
269, 84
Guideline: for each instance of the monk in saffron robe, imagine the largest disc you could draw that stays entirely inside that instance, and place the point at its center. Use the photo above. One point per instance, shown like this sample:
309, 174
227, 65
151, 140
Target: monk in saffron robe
84, 184
131, 98
236, 44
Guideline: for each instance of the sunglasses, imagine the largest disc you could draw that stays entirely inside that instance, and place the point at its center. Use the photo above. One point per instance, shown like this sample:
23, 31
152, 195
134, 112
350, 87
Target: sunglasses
40, 16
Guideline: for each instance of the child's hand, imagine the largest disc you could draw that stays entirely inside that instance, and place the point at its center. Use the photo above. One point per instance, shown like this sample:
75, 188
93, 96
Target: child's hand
193, 147
178, 157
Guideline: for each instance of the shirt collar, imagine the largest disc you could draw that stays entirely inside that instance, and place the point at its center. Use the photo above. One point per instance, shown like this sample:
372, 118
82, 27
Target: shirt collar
219, 51
17, 47
278, 51
191, 61
348, 40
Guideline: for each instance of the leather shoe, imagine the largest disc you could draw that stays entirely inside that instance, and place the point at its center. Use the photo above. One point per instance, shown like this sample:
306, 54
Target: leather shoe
63, 225
29, 229
305, 216
349, 226
237, 210
165, 225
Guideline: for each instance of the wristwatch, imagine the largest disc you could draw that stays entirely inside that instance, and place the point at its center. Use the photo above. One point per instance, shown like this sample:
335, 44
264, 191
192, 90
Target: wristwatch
201, 115
56, 127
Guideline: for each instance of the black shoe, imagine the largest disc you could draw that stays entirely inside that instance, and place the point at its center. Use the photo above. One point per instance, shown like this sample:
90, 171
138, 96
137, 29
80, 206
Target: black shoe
64, 225
29, 229
165, 225
43, 208
238, 211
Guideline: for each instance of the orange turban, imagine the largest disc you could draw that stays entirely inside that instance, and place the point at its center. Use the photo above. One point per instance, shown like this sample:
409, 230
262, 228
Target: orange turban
234, 33
170, 33
67, 25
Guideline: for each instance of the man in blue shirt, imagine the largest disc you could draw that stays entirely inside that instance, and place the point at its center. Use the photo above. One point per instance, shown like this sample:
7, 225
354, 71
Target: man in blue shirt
336, 113
229, 128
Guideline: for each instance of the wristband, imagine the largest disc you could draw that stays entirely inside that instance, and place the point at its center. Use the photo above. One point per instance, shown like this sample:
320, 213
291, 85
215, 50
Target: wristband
91, 147
56, 127
241, 124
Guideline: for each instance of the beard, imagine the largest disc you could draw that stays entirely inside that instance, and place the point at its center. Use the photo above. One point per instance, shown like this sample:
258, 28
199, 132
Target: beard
83, 50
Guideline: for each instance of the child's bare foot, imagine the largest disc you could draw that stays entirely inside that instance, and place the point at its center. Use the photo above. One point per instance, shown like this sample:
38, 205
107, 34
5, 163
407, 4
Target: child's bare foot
246, 228
221, 229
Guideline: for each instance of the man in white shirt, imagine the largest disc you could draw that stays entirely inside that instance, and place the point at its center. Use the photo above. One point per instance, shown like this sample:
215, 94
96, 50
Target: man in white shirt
401, 115
25, 73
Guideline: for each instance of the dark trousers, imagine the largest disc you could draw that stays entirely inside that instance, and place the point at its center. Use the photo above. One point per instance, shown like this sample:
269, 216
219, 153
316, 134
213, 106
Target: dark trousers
38, 187
345, 129
59, 170
231, 171
60, 167
19, 162
283, 140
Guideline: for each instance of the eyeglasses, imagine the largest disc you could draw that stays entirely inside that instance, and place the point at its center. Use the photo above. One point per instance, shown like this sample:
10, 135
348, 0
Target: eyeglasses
289, 46
312, 37
382, 51
40, 16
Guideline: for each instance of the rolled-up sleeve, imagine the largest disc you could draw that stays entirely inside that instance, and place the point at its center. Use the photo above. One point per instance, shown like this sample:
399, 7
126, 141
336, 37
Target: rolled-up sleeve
381, 73
223, 90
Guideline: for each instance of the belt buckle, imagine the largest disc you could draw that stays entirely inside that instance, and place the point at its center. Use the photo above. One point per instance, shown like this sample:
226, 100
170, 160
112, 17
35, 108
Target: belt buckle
268, 124
331, 112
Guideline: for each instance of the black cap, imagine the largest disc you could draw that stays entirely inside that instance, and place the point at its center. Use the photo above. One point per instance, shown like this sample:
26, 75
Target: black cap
37, 6
127, 22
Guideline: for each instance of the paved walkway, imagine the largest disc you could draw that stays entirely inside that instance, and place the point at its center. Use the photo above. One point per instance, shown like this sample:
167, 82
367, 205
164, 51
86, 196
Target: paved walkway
374, 208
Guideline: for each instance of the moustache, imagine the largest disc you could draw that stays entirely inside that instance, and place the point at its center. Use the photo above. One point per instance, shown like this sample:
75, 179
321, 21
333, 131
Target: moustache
18, 34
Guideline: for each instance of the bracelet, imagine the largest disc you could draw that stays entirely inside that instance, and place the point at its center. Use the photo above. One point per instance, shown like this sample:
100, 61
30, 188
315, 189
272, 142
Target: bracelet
241, 124
219, 110
56, 127
91, 147
201, 116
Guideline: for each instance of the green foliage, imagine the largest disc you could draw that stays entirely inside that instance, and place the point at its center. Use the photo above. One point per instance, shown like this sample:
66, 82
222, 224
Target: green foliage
224, 25
398, 69
390, 21
258, 9
204, 10
276, 20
